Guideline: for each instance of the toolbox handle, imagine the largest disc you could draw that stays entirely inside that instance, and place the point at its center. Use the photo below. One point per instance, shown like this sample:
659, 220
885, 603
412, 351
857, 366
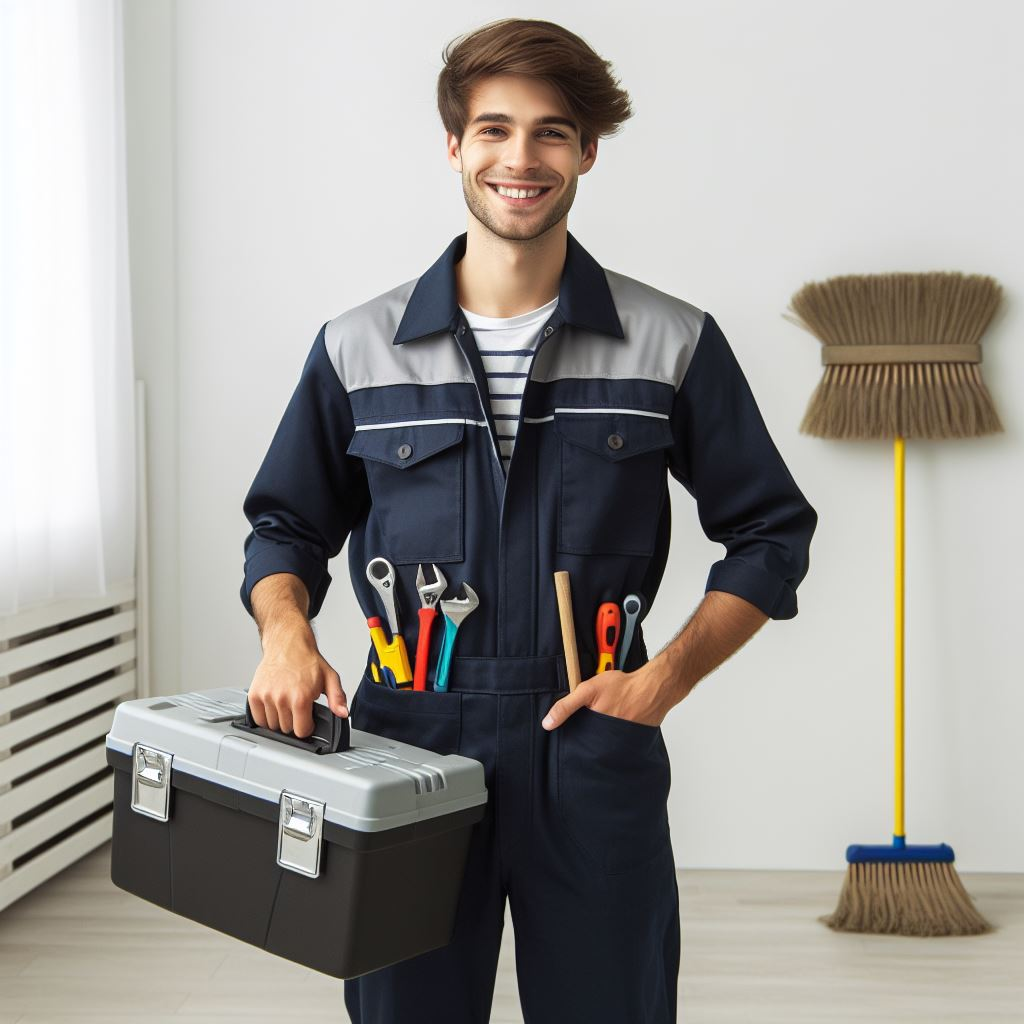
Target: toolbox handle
330, 731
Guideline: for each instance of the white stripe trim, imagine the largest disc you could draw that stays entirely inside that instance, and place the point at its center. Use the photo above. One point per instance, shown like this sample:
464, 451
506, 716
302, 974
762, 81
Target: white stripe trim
417, 423
628, 412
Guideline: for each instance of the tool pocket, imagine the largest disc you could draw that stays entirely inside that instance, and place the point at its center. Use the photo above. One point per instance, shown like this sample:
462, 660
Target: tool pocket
613, 782
415, 474
613, 481
424, 718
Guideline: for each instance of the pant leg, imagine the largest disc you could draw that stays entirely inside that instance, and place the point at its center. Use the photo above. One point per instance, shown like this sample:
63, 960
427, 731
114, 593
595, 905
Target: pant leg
453, 984
593, 891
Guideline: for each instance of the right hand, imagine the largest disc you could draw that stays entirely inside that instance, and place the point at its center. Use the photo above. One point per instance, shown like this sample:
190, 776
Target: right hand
289, 678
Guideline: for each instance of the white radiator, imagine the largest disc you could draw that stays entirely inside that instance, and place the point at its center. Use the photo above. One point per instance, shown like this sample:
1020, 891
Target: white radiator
63, 668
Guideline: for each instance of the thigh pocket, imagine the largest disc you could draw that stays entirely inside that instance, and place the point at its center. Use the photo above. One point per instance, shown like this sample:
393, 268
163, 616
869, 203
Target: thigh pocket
415, 473
424, 718
613, 783
613, 481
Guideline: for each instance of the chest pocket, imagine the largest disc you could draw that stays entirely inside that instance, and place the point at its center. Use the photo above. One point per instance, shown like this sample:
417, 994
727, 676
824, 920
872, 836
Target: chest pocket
415, 473
613, 481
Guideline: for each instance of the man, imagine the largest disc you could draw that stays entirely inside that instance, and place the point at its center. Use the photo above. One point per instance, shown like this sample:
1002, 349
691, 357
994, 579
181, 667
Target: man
511, 412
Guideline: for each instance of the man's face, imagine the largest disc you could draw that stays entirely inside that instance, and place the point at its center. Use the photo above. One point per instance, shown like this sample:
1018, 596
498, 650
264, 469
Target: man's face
506, 141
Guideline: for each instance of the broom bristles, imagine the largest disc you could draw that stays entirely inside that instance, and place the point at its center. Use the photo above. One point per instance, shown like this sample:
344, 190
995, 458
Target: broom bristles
915, 400
909, 399
905, 898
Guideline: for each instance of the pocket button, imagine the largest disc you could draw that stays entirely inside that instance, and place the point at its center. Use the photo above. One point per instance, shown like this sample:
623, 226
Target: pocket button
615, 441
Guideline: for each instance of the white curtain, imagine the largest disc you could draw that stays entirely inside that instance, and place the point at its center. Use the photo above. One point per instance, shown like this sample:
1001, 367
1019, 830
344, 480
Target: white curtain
67, 441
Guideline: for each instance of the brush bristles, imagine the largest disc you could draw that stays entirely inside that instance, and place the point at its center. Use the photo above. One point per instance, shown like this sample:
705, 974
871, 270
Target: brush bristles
886, 399
913, 400
913, 898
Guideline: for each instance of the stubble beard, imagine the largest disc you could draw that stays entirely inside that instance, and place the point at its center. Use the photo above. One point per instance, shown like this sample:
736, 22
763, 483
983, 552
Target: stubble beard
513, 227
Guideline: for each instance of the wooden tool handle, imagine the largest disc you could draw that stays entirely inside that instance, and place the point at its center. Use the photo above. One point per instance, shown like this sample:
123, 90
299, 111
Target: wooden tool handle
563, 589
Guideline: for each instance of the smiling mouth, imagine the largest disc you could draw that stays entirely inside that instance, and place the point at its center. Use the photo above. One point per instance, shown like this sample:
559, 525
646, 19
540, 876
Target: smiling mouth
526, 201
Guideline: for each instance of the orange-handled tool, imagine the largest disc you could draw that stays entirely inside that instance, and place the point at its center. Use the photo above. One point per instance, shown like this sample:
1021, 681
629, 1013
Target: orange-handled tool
608, 623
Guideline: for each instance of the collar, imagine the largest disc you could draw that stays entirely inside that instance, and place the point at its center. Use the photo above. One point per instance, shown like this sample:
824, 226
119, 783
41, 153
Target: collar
584, 298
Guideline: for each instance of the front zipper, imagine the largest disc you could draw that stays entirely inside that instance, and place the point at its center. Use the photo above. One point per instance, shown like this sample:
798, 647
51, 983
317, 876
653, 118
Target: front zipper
545, 334
483, 412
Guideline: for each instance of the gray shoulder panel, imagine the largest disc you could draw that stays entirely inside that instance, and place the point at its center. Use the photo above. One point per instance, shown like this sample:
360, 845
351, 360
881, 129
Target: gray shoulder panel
360, 344
661, 333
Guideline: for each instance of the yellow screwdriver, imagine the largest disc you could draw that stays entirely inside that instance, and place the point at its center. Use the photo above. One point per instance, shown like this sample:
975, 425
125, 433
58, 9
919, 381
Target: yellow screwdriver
393, 656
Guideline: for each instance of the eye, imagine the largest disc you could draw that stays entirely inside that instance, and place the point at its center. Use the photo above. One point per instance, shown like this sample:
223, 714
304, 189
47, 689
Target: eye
557, 134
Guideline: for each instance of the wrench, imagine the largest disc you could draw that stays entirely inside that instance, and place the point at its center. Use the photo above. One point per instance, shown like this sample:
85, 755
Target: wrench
430, 595
455, 611
394, 658
633, 605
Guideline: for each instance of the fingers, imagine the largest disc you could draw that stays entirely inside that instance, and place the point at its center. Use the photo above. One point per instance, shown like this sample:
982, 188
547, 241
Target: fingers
281, 697
273, 715
582, 696
300, 716
258, 714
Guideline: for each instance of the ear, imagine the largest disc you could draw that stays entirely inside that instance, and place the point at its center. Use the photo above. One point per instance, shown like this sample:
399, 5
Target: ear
453, 148
589, 157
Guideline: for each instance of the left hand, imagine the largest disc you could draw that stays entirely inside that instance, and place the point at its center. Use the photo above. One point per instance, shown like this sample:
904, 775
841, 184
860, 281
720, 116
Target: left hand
635, 696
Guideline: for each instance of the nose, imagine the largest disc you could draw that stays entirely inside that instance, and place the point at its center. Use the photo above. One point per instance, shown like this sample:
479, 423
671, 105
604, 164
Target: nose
520, 152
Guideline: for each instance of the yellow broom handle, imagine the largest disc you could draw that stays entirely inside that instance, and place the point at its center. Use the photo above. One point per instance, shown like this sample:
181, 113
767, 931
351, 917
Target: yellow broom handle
898, 458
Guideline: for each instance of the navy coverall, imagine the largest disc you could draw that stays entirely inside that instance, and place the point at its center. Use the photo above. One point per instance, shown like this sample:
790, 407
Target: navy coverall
388, 441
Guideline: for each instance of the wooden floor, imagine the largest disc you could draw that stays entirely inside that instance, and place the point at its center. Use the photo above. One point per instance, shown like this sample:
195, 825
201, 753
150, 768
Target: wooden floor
79, 949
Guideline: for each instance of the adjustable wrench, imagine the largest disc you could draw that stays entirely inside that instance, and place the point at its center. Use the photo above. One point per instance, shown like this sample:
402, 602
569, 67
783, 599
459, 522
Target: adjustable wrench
455, 610
430, 594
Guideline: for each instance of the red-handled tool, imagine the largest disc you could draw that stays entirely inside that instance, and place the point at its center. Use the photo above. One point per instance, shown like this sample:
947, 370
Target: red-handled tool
430, 594
608, 622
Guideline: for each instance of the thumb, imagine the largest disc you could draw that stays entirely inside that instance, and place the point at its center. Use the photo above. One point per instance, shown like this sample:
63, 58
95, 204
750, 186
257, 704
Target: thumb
335, 694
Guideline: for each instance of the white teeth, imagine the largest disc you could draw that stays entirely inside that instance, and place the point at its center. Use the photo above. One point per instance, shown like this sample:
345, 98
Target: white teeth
518, 193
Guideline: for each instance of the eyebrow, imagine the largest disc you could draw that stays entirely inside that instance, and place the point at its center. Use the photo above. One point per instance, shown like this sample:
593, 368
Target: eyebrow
507, 119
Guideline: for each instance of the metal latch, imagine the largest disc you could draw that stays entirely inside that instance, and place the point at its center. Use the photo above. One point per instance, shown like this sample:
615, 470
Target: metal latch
151, 782
300, 834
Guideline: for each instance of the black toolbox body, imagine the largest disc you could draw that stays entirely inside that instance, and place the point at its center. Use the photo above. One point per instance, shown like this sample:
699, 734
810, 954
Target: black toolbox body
345, 861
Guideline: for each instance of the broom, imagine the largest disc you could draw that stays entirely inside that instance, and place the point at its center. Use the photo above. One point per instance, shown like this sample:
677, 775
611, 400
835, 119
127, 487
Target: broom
902, 358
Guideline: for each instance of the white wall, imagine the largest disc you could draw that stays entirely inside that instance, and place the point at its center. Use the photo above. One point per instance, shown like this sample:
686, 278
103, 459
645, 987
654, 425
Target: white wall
773, 144
150, 127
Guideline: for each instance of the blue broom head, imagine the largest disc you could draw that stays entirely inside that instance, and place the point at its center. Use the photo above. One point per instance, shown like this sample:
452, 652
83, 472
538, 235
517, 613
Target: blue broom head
899, 853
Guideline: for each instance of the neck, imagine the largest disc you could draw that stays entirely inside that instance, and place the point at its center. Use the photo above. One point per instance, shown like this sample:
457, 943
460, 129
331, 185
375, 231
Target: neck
500, 277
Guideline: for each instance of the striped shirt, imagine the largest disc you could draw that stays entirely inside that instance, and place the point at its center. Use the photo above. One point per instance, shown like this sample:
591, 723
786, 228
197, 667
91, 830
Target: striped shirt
506, 346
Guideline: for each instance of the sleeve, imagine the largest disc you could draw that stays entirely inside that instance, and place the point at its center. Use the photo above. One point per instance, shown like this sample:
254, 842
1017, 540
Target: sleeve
308, 493
746, 498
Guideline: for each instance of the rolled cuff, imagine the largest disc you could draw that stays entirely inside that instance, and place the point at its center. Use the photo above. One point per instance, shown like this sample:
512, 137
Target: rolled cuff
286, 558
774, 596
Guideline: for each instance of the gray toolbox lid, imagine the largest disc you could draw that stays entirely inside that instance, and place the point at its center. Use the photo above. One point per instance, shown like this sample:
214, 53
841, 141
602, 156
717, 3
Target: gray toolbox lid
377, 784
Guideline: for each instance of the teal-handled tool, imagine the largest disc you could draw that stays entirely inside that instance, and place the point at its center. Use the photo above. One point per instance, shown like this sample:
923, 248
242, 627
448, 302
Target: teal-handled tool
455, 610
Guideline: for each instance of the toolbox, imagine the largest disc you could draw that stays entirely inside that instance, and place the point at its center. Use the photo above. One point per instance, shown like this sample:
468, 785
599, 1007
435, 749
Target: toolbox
343, 851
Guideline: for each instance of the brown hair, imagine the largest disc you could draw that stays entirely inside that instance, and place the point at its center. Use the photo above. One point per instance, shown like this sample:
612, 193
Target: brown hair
540, 49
